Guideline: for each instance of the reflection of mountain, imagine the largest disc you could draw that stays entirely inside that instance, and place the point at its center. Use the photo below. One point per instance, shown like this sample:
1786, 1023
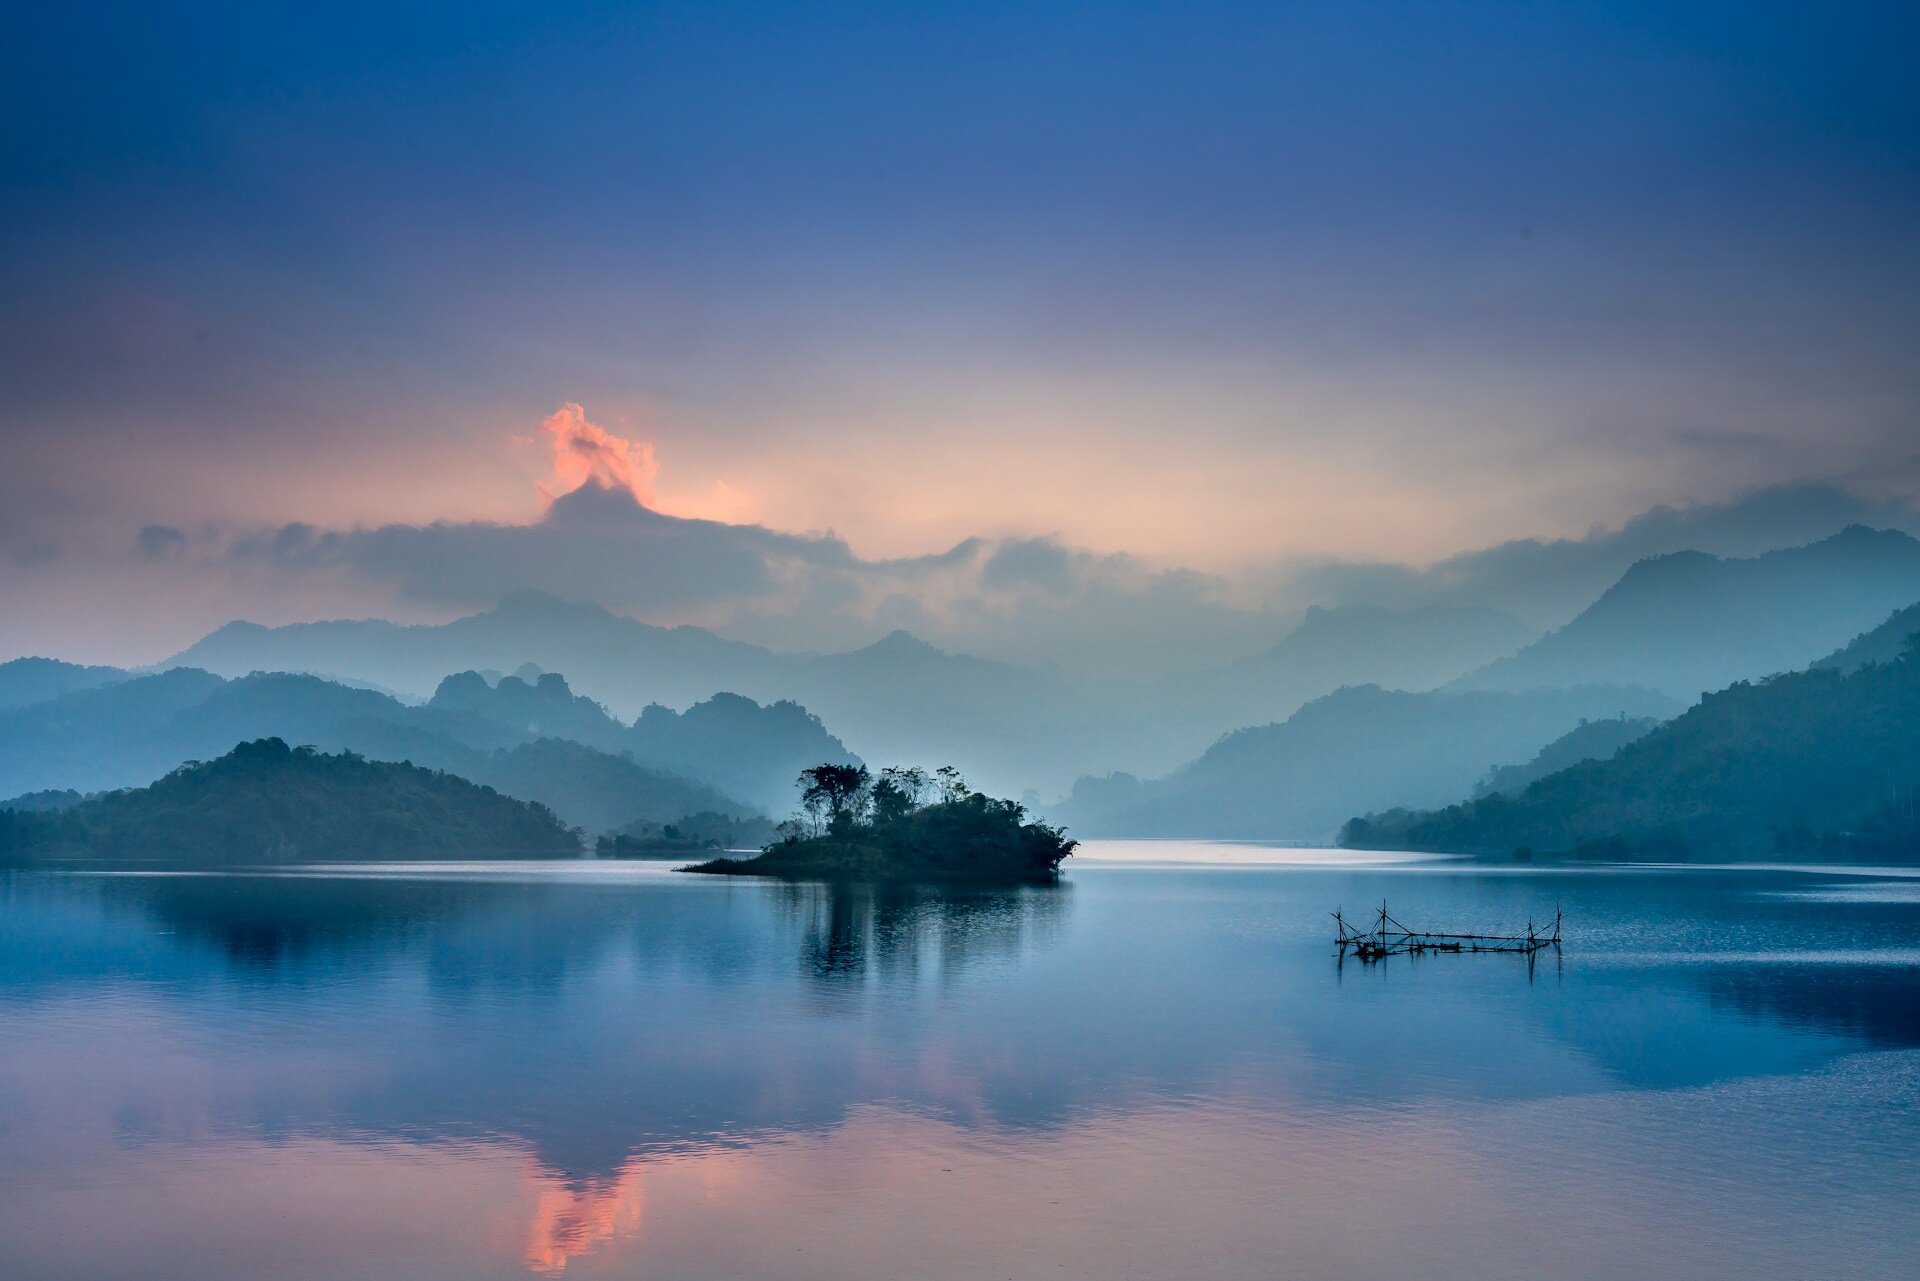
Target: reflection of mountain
607, 1018
1878, 1004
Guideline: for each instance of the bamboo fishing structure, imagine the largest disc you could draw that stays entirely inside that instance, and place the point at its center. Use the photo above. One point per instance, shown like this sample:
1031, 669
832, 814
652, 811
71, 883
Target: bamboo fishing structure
1388, 937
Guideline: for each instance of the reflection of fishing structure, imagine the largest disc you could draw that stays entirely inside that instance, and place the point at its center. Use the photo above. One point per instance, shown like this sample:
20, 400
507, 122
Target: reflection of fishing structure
1389, 937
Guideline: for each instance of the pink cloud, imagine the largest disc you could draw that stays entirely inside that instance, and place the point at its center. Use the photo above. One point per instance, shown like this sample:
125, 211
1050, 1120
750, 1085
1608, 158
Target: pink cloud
585, 451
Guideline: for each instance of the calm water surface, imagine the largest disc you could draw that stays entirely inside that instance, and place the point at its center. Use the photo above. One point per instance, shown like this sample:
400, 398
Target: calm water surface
1156, 1070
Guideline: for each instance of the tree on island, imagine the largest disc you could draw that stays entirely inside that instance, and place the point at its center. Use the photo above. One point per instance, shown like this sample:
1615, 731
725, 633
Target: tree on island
903, 824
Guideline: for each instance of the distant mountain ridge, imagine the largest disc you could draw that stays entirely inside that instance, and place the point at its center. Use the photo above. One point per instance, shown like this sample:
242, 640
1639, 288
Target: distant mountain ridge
1008, 726
132, 732
1819, 761
1883, 644
1409, 649
1293, 779
34, 680
1689, 622
1590, 741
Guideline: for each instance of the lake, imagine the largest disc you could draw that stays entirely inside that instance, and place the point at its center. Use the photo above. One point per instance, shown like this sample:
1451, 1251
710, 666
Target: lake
1157, 1069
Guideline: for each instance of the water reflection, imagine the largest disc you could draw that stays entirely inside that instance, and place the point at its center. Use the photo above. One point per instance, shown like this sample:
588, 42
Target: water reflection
604, 1067
855, 934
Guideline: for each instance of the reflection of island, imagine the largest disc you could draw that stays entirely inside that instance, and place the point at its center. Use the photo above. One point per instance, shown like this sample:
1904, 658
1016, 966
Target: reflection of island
561, 1045
855, 932
904, 825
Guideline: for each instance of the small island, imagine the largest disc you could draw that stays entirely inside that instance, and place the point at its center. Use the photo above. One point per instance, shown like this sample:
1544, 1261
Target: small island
266, 802
903, 825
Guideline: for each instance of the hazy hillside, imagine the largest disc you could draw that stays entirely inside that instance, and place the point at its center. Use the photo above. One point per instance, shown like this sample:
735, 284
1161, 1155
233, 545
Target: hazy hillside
264, 801
34, 680
1883, 644
1411, 649
1007, 726
1690, 622
596, 790
1821, 759
131, 733
626, 663
1591, 740
744, 749
1299, 779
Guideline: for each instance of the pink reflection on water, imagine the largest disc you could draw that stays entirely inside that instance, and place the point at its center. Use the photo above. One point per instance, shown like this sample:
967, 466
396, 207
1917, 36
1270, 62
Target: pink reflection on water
570, 1219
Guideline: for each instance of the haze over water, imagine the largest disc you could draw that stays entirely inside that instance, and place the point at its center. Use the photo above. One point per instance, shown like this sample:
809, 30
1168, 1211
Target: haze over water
1156, 1069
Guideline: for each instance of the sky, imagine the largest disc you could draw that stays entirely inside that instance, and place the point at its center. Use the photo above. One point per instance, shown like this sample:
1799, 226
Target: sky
940, 316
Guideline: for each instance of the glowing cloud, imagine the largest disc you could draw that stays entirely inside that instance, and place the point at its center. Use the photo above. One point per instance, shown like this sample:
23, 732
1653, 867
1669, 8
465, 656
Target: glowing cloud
585, 451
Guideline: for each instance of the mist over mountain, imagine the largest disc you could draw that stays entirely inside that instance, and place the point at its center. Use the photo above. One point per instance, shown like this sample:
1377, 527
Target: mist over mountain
1292, 780
34, 680
129, 733
1008, 726
1589, 741
1823, 760
1689, 622
1412, 649
627, 663
1883, 644
741, 747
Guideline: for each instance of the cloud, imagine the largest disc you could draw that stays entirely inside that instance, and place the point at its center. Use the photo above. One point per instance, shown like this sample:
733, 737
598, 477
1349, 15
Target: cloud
1041, 563
1545, 582
161, 543
586, 453
1023, 598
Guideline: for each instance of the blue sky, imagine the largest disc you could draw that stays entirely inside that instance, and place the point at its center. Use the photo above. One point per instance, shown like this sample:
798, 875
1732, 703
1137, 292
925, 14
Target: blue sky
1215, 286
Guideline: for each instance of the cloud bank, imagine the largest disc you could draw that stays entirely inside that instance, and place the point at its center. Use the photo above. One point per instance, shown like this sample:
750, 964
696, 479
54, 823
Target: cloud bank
603, 537
1031, 599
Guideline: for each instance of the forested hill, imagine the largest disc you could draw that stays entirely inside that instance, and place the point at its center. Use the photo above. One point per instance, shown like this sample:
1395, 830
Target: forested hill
1807, 762
265, 802
1883, 644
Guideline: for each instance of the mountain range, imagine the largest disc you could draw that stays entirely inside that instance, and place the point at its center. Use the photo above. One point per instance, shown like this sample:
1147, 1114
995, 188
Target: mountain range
1355, 709
1688, 623
539, 742
1824, 761
1007, 726
1300, 778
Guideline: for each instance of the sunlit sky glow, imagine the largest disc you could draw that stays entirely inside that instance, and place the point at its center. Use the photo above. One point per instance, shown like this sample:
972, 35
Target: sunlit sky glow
1215, 286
